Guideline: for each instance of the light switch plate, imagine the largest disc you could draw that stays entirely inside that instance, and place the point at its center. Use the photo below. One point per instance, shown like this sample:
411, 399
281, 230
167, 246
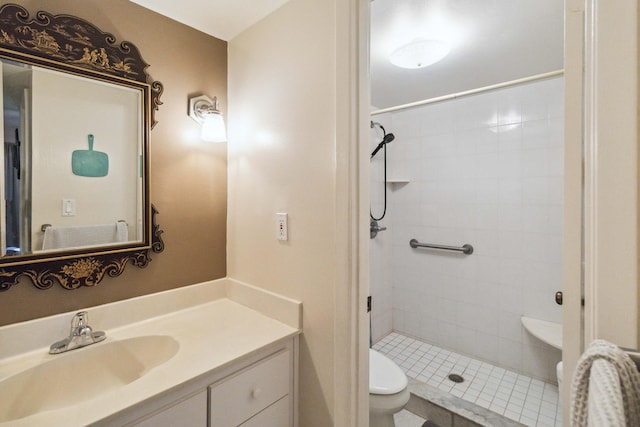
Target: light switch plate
68, 207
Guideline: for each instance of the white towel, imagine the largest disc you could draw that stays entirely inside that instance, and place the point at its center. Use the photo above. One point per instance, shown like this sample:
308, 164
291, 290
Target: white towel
605, 395
605, 391
84, 235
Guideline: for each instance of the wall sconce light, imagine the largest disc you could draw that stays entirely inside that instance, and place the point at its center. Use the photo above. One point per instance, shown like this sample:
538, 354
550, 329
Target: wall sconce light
204, 110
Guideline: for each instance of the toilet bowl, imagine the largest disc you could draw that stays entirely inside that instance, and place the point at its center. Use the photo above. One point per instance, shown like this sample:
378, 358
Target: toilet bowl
388, 391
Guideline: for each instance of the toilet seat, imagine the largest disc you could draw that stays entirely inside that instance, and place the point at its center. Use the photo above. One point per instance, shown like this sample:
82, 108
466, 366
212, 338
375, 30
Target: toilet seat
385, 377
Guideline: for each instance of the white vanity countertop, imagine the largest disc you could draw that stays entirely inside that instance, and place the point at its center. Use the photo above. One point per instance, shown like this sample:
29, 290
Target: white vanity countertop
216, 324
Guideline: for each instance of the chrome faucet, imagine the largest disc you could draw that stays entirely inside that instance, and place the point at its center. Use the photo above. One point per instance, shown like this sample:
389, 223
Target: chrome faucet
81, 335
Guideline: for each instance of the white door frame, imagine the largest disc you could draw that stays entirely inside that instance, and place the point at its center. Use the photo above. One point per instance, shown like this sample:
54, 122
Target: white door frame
352, 173
601, 178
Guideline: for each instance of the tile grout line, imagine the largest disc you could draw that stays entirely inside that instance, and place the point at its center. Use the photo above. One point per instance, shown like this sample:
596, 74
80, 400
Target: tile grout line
515, 396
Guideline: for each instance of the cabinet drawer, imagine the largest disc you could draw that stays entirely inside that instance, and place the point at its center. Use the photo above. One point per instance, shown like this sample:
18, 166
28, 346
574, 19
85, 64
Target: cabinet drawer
237, 398
276, 415
191, 412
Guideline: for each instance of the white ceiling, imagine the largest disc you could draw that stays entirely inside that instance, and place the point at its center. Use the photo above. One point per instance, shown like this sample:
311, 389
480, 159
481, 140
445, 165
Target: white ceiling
223, 19
493, 40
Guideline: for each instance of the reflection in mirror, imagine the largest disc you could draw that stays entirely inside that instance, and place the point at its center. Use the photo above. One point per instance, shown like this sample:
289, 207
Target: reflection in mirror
72, 161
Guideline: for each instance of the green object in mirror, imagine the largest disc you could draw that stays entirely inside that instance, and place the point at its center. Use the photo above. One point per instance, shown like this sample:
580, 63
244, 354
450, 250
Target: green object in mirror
90, 163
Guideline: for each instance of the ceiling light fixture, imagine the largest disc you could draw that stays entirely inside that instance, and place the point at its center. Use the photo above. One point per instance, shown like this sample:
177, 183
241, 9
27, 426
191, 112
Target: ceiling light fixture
420, 53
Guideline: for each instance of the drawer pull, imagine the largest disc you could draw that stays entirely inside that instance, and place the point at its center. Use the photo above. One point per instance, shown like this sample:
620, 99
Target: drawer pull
256, 392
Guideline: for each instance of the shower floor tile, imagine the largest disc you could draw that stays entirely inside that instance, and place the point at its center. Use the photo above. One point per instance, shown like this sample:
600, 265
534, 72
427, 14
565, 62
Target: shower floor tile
529, 401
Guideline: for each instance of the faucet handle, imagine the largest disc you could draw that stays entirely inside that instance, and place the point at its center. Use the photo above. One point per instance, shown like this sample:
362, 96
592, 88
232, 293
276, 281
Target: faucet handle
80, 321
81, 318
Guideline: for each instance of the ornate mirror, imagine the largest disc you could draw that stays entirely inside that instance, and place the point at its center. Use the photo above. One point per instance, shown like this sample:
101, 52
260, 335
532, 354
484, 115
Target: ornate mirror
77, 113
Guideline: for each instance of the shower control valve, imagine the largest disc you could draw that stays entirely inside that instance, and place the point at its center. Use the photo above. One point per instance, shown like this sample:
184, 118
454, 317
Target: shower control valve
375, 228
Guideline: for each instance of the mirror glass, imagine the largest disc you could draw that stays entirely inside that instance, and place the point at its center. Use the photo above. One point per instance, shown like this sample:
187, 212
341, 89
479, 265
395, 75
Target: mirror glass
72, 162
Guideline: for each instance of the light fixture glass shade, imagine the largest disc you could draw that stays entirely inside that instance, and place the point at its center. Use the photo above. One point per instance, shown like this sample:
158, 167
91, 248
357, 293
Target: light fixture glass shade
213, 128
420, 53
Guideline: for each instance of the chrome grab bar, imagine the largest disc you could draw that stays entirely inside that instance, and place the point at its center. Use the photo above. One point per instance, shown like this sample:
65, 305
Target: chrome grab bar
466, 249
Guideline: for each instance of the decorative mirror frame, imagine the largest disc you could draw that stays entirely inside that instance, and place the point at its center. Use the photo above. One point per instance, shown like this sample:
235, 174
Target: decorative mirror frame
73, 45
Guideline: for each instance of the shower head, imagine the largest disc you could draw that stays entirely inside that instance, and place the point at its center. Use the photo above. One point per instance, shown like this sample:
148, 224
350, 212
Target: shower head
387, 138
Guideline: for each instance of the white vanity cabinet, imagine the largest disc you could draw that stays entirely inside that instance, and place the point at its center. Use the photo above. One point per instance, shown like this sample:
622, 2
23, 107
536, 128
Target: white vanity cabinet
216, 354
247, 394
259, 391
191, 411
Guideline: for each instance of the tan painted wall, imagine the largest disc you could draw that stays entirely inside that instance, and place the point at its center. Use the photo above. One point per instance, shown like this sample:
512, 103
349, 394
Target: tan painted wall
188, 176
282, 158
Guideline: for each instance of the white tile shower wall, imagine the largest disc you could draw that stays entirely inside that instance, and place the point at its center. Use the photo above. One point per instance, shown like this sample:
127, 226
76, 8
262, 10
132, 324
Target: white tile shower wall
486, 170
380, 247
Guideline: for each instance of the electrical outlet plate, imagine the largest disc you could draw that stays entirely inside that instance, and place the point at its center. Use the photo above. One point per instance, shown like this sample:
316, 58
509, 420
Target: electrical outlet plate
282, 232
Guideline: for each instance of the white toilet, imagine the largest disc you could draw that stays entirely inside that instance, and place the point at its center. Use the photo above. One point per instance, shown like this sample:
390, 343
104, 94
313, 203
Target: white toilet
388, 391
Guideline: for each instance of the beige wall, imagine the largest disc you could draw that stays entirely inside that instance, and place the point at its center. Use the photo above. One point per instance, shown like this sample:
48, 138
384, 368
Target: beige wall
282, 158
188, 176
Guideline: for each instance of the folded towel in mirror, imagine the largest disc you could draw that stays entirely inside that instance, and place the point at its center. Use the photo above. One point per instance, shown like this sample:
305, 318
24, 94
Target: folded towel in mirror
84, 235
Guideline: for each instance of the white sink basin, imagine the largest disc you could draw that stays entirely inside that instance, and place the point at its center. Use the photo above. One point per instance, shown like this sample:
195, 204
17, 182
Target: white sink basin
82, 374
